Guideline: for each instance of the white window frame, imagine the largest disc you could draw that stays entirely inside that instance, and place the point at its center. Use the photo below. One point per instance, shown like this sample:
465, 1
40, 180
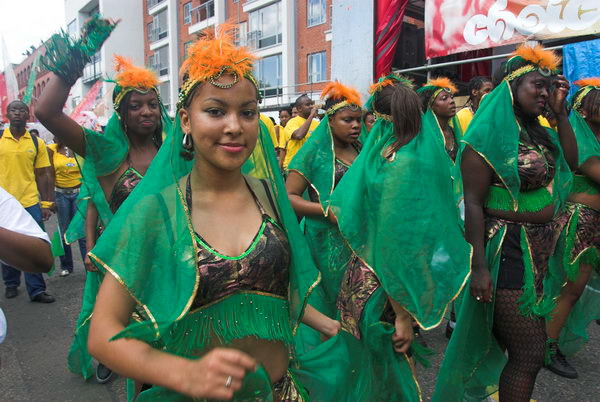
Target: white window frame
187, 13
311, 20
323, 67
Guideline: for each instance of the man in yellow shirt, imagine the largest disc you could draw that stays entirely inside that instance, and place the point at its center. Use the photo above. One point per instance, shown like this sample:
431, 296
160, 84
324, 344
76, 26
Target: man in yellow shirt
24, 174
299, 128
478, 87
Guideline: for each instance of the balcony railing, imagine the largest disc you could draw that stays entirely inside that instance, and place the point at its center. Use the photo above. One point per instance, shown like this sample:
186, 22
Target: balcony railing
157, 33
92, 70
203, 12
256, 40
152, 3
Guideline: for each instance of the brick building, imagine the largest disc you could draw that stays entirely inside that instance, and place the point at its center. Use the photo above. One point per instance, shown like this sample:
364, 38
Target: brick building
22, 73
292, 39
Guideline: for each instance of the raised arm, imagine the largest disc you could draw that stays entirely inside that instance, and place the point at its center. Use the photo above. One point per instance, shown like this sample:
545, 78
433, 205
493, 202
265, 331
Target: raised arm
301, 132
49, 111
563, 126
477, 177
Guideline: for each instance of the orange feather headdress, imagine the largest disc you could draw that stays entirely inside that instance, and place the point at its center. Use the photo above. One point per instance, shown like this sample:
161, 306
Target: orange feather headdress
213, 55
131, 77
388, 80
586, 85
344, 95
441, 82
537, 59
588, 82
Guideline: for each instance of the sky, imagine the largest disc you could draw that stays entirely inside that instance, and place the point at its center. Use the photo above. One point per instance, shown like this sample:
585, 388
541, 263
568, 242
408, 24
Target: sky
27, 22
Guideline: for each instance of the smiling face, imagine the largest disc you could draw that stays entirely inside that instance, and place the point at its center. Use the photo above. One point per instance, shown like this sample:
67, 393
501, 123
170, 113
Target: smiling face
532, 93
223, 123
345, 125
443, 105
142, 112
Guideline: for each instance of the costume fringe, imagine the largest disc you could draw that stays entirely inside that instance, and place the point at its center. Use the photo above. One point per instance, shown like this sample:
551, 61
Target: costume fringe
530, 201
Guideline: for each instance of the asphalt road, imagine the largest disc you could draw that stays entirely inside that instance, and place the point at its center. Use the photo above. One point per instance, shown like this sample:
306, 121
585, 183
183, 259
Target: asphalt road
33, 357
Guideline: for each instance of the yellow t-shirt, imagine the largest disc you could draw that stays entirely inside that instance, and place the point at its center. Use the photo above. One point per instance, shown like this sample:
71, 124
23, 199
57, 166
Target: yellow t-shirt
544, 121
66, 169
271, 127
292, 146
18, 159
464, 117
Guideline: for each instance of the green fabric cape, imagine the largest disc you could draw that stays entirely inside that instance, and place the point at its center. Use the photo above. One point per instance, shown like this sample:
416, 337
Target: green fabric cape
400, 217
587, 144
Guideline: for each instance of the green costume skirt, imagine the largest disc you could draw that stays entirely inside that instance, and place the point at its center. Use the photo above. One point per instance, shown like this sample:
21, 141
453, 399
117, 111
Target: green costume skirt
474, 360
580, 243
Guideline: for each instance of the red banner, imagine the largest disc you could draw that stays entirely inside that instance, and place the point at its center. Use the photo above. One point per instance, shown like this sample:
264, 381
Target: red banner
87, 103
389, 24
453, 26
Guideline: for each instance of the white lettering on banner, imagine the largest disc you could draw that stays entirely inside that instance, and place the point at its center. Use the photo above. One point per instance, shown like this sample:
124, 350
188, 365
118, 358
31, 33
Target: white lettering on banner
500, 24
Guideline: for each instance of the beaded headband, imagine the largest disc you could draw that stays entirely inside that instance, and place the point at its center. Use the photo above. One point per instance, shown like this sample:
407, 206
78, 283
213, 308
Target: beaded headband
348, 97
544, 61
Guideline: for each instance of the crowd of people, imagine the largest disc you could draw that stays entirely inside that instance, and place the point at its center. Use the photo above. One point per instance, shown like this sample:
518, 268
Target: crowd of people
229, 257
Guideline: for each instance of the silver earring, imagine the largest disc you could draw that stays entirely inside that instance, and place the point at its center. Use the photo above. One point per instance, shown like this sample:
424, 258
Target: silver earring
187, 142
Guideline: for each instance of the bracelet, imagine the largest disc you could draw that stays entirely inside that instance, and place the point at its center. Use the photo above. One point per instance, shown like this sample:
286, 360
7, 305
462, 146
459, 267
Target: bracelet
47, 204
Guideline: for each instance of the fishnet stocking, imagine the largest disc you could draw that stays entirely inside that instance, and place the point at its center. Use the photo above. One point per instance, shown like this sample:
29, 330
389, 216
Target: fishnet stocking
525, 340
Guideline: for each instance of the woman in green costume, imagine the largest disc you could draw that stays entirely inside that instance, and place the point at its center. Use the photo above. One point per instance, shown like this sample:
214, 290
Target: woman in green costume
115, 160
397, 212
578, 303
210, 249
516, 176
318, 168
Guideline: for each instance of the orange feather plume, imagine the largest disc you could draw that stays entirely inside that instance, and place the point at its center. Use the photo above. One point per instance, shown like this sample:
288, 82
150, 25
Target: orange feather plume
131, 76
538, 55
337, 90
211, 53
584, 82
378, 86
442, 82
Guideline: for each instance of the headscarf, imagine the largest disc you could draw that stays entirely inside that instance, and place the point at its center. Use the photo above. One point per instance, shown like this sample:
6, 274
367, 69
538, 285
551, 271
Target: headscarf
587, 143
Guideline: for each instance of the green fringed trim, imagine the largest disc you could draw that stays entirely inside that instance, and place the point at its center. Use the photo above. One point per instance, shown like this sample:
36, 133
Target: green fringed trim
549, 351
528, 201
237, 316
420, 354
529, 304
67, 58
583, 184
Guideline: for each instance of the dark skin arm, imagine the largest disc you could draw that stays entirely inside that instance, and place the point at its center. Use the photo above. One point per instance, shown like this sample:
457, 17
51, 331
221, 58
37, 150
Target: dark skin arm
477, 177
27, 253
295, 185
91, 221
303, 129
591, 168
566, 136
49, 111
45, 183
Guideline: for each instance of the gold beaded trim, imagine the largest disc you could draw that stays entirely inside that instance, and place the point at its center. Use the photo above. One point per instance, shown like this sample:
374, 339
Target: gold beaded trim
189, 85
382, 116
520, 72
340, 105
579, 99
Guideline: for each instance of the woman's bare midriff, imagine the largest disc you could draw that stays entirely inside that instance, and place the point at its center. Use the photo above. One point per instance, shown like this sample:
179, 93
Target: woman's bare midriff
544, 216
272, 355
590, 200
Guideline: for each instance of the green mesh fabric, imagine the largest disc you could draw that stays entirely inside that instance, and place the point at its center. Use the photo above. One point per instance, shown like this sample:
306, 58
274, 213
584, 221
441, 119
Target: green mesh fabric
316, 163
159, 268
408, 202
496, 115
587, 143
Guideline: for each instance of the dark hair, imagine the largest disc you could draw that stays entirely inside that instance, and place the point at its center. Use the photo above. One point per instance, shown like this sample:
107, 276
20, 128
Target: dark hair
404, 105
273, 120
15, 102
124, 112
476, 83
530, 123
286, 109
425, 97
498, 75
299, 99
34, 130
591, 102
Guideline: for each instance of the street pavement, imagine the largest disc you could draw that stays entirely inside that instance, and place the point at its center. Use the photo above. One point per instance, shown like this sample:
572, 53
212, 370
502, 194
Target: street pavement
33, 357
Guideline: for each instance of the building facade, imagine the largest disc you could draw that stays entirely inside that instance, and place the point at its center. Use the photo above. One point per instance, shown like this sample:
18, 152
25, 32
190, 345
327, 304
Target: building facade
291, 38
23, 72
126, 40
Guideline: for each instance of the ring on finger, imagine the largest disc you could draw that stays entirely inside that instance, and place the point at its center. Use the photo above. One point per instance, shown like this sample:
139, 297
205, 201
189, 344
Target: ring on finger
228, 381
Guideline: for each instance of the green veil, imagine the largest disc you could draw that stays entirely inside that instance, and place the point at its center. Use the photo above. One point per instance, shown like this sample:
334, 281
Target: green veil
400, 217
149, 245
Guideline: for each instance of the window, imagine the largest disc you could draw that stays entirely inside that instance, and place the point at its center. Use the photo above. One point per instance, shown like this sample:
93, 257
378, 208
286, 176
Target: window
317, 67
152, 3
187, 13
265, 27
72, 29
159, 61
317, 12
186, 47
165, 93
268, 74
159, 28
241, 34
